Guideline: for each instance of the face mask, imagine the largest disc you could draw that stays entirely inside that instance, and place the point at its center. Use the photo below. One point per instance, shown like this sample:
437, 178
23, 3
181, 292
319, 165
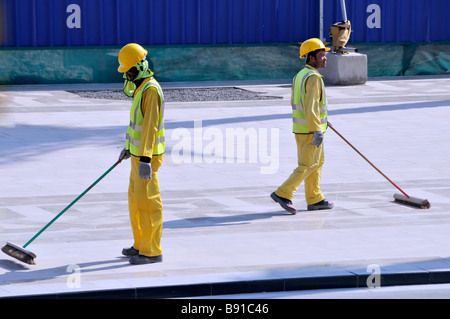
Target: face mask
128, 87
144, 72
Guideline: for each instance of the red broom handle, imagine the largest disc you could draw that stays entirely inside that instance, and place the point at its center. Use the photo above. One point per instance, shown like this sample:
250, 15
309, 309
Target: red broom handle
395, 185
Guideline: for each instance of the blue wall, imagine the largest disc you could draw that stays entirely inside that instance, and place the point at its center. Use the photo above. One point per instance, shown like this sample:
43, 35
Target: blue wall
400, 20
49, 23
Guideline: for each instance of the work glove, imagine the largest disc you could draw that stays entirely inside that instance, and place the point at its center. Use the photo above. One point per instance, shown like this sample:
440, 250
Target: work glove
145, 171
317, 138
125, 154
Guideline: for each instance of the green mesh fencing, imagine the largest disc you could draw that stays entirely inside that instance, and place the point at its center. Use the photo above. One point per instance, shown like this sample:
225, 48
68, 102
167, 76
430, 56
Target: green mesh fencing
180, 63
404, 59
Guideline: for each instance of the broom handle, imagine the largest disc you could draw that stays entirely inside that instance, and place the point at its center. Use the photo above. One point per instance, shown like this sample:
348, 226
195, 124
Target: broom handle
71, 204
331, 126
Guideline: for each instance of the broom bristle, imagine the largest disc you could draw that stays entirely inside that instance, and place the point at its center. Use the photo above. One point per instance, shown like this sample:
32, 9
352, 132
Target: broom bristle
412, 201
19, 253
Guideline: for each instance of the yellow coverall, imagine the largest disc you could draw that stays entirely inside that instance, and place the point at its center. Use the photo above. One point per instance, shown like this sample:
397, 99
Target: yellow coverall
310, 157
144, 196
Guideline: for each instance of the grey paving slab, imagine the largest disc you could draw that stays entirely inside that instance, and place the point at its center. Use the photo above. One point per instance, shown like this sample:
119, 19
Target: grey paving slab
223, 160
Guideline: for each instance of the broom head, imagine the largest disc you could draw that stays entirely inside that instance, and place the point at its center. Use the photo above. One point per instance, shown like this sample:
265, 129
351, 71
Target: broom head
19, 253
412, 201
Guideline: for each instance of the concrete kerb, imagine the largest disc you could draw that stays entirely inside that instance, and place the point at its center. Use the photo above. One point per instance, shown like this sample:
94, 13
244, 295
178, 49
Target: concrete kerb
282, 281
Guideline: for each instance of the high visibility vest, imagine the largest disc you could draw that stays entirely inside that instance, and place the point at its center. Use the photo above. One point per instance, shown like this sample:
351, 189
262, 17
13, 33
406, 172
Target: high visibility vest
298, 102
133, 136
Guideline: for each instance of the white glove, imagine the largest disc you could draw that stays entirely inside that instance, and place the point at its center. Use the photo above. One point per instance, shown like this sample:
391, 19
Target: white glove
317, 139
145, 171
125, 154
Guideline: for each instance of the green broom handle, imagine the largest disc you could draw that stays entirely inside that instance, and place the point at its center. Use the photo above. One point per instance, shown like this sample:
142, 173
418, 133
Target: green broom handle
71, 204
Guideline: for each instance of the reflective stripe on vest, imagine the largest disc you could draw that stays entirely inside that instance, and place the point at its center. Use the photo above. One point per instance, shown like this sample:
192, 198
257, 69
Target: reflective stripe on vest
133, 136
298, 99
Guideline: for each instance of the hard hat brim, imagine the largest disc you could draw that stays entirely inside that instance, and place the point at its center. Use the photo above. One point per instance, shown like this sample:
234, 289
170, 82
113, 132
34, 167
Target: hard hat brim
326, 50
122, 69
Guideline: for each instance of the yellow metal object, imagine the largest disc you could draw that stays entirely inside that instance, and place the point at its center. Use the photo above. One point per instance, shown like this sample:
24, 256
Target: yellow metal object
340, 34
130, 55
311, 45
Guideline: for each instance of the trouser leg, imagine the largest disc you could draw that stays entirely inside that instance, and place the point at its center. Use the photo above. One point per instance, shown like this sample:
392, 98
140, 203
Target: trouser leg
313, 194
309, 162
145, 208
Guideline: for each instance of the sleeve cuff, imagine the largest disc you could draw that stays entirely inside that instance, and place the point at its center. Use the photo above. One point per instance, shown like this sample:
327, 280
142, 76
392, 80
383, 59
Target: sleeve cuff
145, 159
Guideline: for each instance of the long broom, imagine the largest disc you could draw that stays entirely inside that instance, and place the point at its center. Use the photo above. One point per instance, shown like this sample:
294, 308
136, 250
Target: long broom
26, 256
403, 198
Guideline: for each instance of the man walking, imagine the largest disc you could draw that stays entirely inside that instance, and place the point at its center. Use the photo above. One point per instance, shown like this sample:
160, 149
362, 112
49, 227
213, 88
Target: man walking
309, 110
145, 145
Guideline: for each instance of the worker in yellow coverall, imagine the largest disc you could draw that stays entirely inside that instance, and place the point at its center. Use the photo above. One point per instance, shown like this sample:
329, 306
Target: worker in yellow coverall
310, 121
145, 145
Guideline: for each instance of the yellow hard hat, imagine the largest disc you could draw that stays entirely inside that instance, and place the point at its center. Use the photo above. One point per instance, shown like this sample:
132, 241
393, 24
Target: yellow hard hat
130, 55
311, 45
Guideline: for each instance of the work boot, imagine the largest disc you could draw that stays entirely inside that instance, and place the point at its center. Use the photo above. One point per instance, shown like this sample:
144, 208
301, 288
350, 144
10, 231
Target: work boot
285, 203
324, 204
130, 252
141, 259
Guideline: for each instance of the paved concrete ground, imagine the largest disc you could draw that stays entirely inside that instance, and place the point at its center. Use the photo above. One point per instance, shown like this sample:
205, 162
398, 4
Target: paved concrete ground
222, 233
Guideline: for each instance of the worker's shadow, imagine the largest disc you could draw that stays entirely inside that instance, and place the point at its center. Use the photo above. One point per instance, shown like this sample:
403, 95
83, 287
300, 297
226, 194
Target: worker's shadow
229, 220
19, 272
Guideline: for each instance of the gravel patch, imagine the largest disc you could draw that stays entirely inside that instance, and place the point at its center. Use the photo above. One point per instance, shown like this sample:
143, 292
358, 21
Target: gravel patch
186, 95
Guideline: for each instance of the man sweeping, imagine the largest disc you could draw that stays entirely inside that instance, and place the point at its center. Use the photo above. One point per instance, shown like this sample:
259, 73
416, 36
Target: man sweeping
309, 111
145, 145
